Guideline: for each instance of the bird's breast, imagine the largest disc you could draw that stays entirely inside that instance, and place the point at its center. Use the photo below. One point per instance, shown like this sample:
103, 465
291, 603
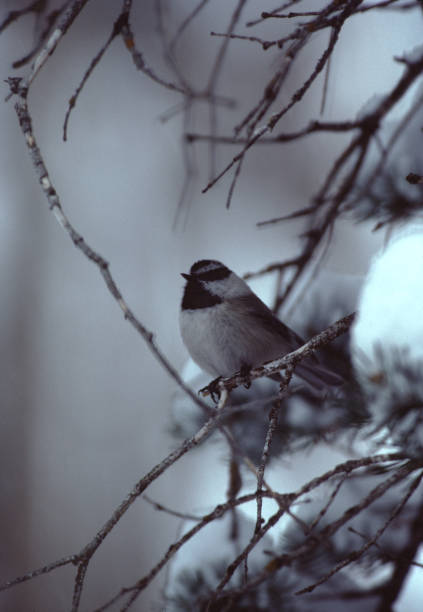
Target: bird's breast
210, 337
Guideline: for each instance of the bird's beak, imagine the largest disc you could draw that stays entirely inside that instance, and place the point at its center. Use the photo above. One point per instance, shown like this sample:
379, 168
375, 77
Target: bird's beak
186, 276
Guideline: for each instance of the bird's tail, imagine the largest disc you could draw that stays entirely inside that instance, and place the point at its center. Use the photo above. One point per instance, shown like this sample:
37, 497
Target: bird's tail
318, 376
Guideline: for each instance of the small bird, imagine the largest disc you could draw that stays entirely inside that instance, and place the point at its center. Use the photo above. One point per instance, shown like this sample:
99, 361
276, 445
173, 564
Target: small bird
227, 328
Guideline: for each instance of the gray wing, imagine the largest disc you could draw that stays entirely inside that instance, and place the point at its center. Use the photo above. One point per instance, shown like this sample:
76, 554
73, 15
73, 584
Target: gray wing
256, 310
277, 334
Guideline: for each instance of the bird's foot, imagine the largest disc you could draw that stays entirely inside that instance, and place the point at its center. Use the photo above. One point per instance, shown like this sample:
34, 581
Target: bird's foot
212, 389
245, 374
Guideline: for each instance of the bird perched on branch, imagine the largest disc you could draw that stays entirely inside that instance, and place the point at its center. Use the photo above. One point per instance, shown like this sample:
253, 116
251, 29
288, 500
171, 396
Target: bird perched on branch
227, 328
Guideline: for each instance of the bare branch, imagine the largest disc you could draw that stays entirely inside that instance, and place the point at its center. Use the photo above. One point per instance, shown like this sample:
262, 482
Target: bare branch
405, 559
46, 569
141, 584
161, 508
64, 21
280, 77
117, 28
284, 6
89, 550
137, 58
25, 122
273, 422
37, 6
357, 554
313, 541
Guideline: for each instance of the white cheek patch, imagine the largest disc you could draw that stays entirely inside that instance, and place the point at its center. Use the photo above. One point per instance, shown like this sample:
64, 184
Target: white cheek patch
228, 288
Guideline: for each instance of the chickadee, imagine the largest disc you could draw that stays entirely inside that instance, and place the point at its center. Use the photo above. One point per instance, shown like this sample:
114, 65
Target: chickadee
227, 328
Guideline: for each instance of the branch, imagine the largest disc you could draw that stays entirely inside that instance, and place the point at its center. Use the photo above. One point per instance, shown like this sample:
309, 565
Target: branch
357, 554
137, 58
404, 560
34, 7
88, 551
117, 28
64, 21
311, 543
46, 569
284, 501
83, 558
219, 511
19, 88
161, 508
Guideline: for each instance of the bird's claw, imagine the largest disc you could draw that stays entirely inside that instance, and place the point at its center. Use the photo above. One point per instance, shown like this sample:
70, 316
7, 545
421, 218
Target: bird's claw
212, 389
245, 374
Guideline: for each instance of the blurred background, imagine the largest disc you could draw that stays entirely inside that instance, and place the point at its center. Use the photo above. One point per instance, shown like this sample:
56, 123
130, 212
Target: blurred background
85, 405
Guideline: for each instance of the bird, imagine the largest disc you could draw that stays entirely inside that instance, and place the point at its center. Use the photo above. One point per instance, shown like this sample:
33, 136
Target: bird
227, 328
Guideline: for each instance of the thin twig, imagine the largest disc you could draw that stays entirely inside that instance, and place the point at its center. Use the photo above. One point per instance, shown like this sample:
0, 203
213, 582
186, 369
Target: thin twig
161, 508
46, 569
312, 542
284, 500
357, 554
117, 27
273, 422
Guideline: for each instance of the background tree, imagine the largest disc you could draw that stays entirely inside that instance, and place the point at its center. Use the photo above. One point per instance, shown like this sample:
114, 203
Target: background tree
303, 119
